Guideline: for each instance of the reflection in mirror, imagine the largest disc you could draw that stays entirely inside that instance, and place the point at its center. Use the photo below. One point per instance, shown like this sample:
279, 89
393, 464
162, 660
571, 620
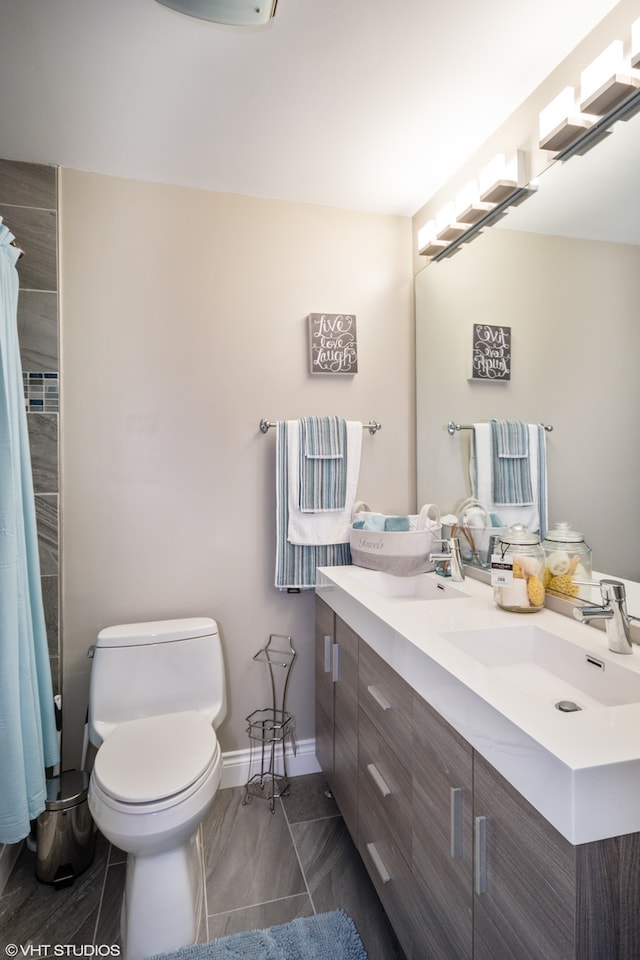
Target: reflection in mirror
563, 271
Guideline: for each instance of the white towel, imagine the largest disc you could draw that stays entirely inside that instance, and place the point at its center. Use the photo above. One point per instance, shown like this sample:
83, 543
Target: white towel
533, 516
325, 527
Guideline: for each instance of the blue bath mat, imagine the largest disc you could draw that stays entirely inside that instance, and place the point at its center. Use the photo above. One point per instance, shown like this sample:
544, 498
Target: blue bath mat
326, 936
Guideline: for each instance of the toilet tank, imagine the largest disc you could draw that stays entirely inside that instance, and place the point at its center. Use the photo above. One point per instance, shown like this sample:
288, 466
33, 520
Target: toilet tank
152, 668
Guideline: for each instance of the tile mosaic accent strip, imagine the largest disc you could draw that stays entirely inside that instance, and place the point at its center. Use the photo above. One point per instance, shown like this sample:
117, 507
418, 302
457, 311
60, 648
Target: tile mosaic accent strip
41, 391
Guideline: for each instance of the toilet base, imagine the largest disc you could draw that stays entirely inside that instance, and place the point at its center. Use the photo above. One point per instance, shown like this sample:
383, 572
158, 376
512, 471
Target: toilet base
163, 898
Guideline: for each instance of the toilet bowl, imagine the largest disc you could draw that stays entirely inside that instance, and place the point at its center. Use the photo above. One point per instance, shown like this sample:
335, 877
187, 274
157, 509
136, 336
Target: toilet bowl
156, 695
153, 782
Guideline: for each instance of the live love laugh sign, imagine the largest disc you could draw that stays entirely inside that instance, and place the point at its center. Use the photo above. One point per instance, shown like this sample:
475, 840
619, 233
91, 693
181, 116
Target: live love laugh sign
333, 343
491, 353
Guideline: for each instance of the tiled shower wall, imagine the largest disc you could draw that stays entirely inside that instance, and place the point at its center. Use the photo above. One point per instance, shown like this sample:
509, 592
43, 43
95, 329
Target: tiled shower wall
29, 207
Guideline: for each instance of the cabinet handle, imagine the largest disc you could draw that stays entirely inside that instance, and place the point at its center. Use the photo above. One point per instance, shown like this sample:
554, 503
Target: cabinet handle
378, 863
336, 662
457, 797
379, 780
480, 855
327, 653
379, 698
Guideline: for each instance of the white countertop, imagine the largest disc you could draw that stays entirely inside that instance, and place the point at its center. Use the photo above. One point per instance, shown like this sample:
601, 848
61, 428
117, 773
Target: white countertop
579, 770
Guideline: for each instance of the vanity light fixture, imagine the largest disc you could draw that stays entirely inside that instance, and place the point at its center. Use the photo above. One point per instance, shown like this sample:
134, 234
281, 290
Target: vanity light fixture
609, 91
561, 123
447, 226
501, 185
428, 246
469, 207
238, 13
635, 44
606, 82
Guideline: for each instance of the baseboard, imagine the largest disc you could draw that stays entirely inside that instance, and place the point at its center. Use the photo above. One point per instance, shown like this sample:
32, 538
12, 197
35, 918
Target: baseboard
237, 767
8, 856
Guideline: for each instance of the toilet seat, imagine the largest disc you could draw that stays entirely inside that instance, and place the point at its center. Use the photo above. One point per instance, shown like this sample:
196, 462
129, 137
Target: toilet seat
155, 762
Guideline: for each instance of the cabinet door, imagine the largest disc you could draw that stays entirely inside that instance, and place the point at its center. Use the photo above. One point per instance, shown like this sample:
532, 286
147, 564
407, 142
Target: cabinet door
345, 723
443, 836
525, 892
324, 687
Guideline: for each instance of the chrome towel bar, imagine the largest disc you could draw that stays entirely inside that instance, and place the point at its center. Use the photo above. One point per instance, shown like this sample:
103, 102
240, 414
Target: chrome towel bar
372, 426
452, 426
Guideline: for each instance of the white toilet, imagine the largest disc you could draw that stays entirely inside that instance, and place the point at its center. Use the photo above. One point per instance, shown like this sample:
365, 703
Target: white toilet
157, 693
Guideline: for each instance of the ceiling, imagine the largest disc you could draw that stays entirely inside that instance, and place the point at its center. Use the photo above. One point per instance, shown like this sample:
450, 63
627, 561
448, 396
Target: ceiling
362, 104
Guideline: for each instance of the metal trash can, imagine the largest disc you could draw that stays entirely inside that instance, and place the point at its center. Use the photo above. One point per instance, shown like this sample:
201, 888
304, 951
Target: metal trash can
65, 832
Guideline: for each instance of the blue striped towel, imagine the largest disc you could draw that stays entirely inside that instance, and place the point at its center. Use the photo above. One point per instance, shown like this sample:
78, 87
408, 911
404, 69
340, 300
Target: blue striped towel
295, 563
511, 466
323, 464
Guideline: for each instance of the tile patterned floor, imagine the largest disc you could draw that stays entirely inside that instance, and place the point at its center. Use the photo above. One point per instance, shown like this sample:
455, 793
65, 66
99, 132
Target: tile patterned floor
260, 869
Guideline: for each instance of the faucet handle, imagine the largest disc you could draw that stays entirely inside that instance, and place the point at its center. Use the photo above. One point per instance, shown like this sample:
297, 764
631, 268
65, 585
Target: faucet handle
613, 590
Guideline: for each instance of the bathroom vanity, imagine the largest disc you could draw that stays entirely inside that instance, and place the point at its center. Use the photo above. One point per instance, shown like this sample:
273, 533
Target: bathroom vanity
493, 825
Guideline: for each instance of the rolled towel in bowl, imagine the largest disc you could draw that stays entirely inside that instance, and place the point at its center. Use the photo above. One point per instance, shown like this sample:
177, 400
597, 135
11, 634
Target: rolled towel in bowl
397, 524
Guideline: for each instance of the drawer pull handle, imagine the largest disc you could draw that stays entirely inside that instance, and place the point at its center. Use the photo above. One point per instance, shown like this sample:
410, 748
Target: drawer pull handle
327, 653
457, 797
379, 780
336, 662
379, 698
378, 863
480, 857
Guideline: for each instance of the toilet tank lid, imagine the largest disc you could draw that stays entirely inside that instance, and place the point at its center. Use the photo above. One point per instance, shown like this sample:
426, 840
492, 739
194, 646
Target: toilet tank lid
156, 631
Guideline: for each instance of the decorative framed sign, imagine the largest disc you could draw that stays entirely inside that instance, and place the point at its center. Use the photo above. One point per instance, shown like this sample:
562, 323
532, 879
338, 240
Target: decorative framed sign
333, 343
491, 353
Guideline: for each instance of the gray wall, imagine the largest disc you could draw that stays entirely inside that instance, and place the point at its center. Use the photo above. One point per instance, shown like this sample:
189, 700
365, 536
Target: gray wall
29, 207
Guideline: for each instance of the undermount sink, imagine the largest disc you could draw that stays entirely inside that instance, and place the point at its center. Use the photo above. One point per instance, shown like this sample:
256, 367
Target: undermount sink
420, 587
549, 668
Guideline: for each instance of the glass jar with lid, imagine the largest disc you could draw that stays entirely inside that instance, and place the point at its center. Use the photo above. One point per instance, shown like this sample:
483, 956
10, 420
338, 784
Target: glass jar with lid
517, 571
567, 559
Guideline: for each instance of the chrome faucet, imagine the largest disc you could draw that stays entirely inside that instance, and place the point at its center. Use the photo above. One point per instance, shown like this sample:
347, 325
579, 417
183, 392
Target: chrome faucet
614, 612
450, 554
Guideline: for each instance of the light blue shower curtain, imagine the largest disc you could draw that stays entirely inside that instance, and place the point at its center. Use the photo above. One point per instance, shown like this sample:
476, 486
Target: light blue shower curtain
28, 739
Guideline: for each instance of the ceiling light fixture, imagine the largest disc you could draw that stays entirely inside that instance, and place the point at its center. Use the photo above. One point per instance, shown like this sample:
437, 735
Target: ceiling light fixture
237, 13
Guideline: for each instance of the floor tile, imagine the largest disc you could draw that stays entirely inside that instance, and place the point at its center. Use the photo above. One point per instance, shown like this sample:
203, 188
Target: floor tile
308, 800
261, 916
336, 878
248, 855
34, 913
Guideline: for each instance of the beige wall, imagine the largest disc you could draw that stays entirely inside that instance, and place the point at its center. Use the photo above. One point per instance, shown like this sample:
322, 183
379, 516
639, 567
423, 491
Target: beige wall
573, 309
183, 323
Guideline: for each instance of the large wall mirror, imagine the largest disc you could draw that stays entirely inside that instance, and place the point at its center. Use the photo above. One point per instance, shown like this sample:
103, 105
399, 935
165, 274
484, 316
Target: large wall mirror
563, 271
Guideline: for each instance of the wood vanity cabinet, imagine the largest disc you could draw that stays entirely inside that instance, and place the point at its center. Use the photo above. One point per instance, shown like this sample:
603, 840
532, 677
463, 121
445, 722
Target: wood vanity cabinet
385, 723
336, 659
442, 835
465, 867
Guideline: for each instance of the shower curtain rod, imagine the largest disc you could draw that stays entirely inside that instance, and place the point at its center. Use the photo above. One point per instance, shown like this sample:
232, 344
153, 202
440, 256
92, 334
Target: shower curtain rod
452, 426
372, 426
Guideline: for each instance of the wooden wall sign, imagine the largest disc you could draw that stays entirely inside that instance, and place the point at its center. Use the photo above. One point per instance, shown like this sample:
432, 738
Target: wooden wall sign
333, 343
491, 353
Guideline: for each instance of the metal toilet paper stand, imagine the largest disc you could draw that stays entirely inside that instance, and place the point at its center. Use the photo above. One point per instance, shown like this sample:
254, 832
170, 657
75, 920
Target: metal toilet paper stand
271, 728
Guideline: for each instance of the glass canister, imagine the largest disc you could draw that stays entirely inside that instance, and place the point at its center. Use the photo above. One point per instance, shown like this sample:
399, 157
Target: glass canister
567, 559
517, 571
